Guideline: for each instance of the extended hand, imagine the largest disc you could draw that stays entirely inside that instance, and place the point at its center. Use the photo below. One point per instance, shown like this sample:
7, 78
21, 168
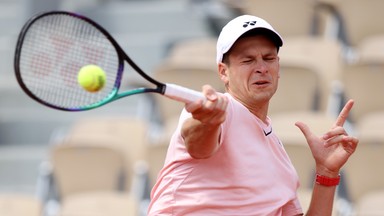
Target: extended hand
210, 111
332, 150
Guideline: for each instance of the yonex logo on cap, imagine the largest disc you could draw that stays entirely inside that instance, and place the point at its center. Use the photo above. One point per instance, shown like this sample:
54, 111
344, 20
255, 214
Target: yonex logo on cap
246, 24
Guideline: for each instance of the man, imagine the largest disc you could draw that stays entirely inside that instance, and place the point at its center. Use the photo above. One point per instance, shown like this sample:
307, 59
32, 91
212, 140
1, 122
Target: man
224, 158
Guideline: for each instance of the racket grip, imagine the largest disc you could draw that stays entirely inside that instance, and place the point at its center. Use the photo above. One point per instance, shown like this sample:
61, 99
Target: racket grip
182, 94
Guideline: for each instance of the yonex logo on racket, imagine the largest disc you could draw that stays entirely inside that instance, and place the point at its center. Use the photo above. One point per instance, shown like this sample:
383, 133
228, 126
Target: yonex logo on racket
246, 24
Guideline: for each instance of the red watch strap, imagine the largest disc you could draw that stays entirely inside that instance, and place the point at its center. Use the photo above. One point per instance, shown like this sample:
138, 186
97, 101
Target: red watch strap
326, 181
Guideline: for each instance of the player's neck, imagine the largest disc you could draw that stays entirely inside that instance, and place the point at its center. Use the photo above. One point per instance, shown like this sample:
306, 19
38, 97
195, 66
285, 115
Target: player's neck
260, 110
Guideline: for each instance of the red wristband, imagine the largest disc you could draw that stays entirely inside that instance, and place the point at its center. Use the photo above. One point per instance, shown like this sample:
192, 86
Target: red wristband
326, 181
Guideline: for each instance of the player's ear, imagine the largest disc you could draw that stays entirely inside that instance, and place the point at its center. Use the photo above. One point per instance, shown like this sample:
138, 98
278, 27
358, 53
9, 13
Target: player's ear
278, 70
223, 72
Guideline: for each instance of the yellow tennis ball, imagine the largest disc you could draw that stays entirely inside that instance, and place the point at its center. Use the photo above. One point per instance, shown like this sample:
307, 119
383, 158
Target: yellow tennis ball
92, 78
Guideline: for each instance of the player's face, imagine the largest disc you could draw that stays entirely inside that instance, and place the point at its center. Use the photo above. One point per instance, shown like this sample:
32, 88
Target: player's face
253, 71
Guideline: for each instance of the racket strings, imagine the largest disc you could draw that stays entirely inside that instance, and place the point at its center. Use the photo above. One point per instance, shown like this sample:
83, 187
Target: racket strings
54, 49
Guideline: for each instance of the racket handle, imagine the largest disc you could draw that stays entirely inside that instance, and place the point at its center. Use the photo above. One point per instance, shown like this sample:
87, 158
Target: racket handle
182, 94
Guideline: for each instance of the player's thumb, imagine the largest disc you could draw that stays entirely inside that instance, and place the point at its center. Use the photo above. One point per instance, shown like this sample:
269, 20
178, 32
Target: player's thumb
304, 129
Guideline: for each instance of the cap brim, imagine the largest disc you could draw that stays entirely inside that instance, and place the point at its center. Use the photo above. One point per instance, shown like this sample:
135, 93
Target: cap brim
274, 36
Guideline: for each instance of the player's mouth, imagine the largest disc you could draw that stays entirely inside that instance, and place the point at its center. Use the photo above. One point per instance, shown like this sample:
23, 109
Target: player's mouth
261, 83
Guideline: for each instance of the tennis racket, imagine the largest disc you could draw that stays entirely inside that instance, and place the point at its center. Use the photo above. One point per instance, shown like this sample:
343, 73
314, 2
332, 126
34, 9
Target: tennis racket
53, 46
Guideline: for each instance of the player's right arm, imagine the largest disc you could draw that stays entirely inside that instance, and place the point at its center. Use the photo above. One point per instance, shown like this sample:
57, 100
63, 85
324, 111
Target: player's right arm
201, 132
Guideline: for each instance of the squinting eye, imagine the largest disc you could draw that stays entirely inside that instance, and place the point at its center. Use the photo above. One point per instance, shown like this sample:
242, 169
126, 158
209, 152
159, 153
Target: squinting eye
269, 58
247, 60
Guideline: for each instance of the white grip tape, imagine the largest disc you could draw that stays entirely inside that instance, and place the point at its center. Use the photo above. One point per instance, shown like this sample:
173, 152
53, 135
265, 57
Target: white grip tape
182, 94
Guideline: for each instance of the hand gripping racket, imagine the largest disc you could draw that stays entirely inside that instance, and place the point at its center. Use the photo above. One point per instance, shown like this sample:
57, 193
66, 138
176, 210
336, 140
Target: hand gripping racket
53, 46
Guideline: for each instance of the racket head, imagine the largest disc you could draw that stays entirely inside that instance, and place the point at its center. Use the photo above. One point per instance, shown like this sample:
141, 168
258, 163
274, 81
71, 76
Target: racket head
51, 49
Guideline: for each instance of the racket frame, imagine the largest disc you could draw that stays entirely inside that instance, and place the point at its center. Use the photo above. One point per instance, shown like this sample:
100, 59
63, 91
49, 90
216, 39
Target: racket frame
170, 90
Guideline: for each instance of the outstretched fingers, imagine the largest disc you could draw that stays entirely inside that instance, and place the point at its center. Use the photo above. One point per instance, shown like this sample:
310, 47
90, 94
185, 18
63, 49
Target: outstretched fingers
344, 113
338, 134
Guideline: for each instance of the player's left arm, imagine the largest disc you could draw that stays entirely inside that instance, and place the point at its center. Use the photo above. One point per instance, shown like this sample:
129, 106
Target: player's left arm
331, 152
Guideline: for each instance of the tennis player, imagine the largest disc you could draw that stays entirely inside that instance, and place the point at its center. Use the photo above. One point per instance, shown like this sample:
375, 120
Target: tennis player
224, 157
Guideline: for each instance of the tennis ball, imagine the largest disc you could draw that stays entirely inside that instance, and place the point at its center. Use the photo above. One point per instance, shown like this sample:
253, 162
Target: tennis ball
92, 78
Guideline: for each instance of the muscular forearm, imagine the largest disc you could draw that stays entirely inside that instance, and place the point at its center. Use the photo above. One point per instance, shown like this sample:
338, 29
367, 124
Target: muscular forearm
201, 131
322, 195
201, 139
322, 200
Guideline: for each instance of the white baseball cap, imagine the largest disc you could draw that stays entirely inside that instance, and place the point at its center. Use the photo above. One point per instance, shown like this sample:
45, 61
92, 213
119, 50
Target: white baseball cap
235, 28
